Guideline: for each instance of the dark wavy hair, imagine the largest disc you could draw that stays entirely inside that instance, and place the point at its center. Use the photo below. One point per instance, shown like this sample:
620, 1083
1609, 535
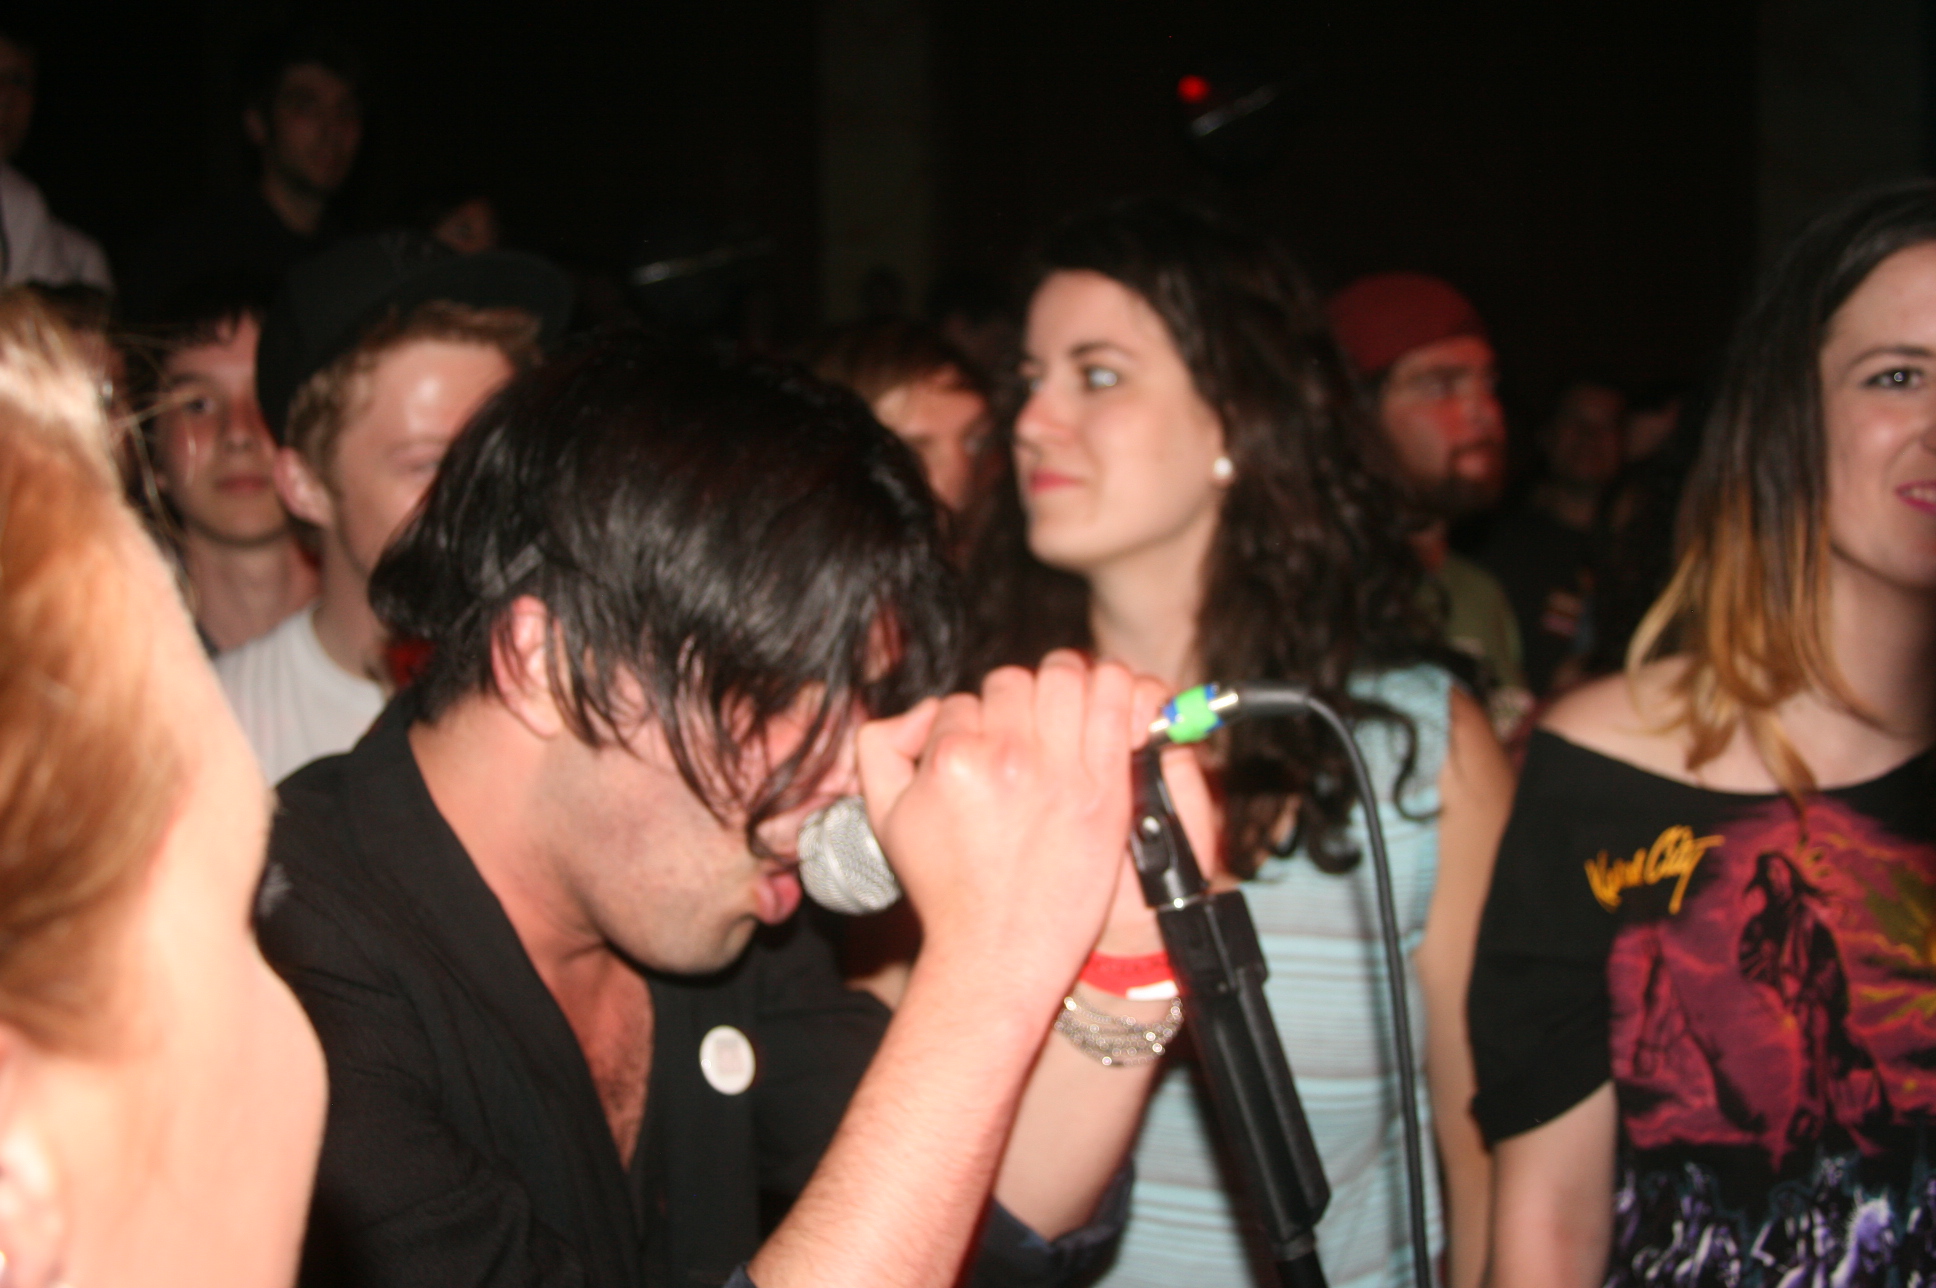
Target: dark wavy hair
1748, 603
735, 538
1310, 577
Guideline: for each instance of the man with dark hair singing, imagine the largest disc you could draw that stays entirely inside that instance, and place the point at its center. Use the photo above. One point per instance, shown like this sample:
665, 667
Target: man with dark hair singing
674, 607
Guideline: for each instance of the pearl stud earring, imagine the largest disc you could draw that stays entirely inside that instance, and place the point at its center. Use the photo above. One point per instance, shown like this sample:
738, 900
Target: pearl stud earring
1222, 470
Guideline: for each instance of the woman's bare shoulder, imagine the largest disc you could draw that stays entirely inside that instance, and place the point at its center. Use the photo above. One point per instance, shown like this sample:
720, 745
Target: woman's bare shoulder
1629, 718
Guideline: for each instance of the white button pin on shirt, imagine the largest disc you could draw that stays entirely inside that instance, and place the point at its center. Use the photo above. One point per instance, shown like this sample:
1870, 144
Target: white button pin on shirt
726, 1058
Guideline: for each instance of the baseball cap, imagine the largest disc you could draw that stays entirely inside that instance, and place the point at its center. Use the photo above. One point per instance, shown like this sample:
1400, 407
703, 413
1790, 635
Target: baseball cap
1380, 318
327, 303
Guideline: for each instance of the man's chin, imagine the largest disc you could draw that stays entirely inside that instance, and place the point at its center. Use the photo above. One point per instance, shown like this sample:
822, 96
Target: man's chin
1458, 498
239, 535
776, 900
709, 958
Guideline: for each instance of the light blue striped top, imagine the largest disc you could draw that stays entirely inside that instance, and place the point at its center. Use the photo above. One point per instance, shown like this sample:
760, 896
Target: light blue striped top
1327, 990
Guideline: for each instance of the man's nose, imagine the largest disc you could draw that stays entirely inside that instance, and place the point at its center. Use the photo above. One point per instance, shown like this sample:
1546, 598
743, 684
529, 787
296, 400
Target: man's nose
1481, 416
245, 426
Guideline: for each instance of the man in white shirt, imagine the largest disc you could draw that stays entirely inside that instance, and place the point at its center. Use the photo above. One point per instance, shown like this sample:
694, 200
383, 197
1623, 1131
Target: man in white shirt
214, 463
372, 360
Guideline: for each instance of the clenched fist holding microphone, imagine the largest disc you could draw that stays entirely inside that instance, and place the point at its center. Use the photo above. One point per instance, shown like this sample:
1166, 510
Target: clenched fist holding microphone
1006, 817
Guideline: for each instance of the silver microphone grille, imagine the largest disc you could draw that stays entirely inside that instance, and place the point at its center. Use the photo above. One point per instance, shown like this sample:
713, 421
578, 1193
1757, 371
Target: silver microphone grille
841, 865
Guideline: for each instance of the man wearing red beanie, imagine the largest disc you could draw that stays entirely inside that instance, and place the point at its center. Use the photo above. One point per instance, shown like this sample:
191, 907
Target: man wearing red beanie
1423, 352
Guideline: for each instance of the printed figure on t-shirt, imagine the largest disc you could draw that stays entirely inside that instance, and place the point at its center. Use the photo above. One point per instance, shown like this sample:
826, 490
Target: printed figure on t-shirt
1764, 997
1789, 946
1796, 918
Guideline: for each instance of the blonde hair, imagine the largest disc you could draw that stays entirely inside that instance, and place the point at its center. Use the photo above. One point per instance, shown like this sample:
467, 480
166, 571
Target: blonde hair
1750, 637
89, 770
1748, 604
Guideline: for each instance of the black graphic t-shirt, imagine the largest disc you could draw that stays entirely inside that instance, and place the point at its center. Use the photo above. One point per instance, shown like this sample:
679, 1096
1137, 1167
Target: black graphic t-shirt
1760, 986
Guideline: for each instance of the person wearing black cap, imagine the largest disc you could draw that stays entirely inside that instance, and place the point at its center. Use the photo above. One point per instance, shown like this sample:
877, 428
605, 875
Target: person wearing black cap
371, 360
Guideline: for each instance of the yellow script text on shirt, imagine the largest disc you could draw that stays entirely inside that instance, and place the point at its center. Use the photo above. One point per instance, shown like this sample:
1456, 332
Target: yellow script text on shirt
1674, 853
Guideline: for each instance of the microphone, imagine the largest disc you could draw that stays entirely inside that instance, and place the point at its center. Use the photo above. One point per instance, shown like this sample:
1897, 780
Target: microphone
841, 865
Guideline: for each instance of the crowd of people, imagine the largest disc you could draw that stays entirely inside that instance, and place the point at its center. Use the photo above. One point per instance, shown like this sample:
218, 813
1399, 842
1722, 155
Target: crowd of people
551, 637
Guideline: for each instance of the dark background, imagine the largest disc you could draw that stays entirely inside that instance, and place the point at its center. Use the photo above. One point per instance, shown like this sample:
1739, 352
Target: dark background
1588, 174
1588, 180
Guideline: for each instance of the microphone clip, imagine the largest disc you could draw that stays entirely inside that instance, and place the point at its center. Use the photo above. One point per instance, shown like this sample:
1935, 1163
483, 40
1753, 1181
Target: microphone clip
1165, 864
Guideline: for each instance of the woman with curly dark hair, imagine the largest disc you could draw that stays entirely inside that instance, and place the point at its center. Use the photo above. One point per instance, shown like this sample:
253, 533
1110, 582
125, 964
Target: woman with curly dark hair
1196, 498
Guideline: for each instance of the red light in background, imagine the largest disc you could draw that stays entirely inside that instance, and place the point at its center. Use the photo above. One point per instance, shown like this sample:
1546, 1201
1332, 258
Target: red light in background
1193, 89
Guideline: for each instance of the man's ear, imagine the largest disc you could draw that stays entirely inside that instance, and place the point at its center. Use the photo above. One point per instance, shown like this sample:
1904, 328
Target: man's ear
302, 493
254, 126
33, 1211
520, 666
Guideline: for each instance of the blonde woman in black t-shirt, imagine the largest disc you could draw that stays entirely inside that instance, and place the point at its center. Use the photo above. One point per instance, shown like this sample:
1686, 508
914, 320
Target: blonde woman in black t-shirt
1702, 1011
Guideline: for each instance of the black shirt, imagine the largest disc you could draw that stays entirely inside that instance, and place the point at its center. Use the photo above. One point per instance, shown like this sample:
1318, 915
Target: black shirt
1761, 992
1546, 569
466, 1144
232, 233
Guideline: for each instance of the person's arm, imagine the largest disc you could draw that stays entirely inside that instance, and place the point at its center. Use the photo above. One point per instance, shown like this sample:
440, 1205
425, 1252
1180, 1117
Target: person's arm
1006, 818
1540, 1024
1078, 1118
1552, 1205
1475, 796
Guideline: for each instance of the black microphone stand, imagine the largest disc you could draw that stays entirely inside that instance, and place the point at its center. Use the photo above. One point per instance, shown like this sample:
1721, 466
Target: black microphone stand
1219, 969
